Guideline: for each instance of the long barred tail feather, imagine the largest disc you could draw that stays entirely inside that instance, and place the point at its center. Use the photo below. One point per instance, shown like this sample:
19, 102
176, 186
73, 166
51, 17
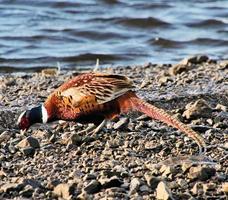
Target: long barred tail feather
132, 102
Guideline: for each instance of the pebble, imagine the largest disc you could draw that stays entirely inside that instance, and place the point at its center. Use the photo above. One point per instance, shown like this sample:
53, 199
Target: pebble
195, 59
225, 188
7, 187
199, 108
63, 190
134, 185
201, 173
167, 170
197, 188
163, 192
209, 187
121, 124
178, 69
110, 182
27, 192
152, 181
93, 187
224, 64
29, 142
5, 136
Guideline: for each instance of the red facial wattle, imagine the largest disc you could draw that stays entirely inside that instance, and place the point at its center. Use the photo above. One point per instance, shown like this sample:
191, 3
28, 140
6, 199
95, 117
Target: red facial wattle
24, 123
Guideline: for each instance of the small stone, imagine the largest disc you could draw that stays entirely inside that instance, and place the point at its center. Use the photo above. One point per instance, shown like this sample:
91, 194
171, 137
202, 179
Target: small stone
134, 185
110, 182
163, 192
197, 188
198, 109
182, 183
149, 145
121, 124
144, 188
195, 59
53, 138
167, 170
28, 151
27, 191
201, 173
11, 187
63, 190
178, 69
163, 80
223, 64
76, 139
5, 136
154, 169
221, 107
49, 72
93, 187
89, 177
186, 166
83, 196
225, 188
209, 187
2, 174
152, 181
29, 142
210, 121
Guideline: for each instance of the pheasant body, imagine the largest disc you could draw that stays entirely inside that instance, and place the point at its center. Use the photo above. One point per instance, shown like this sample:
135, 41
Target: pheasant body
93, 97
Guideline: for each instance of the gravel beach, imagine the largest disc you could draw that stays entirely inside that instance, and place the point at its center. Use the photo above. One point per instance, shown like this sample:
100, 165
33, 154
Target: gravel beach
58, 161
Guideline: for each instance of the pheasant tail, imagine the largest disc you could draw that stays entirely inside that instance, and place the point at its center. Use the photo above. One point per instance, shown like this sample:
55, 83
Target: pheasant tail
135, 103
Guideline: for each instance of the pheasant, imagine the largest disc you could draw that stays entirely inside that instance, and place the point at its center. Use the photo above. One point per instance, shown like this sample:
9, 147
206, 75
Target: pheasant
95, 98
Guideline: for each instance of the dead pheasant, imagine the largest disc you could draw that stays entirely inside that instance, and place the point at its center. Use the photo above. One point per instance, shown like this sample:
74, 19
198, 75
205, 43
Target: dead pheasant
94, 98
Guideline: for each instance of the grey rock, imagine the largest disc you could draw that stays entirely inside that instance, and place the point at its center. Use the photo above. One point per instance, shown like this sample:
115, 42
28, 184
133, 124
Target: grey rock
7, 187
27, 192
144, 188
93, 187
201, 173
200, 108
29, 142
152, 181
28, 151
178, 69
89, 177
196, 59
110, 182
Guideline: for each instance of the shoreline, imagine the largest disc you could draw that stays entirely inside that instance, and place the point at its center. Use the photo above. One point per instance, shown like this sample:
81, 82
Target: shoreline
118, 163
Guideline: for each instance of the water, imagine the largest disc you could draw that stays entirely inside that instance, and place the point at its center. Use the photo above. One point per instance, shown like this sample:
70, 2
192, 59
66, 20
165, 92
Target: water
118, 32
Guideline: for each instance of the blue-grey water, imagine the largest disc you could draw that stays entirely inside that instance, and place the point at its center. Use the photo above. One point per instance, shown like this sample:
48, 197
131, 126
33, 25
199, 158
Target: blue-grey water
118, 32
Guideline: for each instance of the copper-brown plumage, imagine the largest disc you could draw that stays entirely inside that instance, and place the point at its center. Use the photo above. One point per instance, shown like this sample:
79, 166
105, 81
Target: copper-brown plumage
93, 97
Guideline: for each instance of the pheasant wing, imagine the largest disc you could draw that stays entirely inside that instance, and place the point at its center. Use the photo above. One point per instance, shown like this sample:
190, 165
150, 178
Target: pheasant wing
101, 88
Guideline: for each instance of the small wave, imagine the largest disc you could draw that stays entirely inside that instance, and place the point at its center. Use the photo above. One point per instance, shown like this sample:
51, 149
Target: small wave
95, 35
149, 22
208, 41
72, 61
165, 43
206, 23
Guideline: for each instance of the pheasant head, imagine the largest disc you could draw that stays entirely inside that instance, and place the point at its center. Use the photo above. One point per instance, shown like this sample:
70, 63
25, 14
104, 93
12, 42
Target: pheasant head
29, 117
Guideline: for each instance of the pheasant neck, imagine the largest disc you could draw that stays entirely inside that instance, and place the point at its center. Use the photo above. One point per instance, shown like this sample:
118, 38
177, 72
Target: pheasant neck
38, 114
